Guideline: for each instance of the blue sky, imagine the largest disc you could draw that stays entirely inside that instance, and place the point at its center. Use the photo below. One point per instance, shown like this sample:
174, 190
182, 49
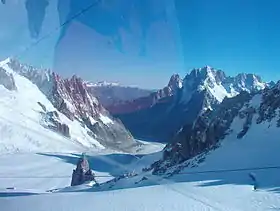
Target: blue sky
233, 35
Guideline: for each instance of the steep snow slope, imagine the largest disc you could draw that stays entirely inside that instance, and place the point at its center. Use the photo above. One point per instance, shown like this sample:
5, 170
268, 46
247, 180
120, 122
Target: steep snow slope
21, 121
72, 98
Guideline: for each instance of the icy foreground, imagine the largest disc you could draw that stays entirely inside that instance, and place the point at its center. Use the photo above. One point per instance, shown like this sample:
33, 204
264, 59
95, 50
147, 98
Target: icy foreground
205, 191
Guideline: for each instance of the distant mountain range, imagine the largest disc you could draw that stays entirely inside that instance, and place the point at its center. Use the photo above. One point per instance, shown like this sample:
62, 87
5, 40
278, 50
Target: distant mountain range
113, 93
161, 114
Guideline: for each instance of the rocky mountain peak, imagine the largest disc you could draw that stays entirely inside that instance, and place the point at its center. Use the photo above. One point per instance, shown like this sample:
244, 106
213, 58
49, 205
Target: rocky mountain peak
175, 82
199, 77
249, 81
202, 72
72, 97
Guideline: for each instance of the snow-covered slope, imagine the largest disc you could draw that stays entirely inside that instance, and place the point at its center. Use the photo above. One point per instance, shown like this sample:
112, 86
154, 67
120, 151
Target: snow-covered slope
228, 189
219, 179
73, 98
53, 114
23, 121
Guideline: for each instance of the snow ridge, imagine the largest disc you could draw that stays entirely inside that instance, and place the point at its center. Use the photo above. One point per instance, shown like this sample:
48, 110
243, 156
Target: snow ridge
219, 85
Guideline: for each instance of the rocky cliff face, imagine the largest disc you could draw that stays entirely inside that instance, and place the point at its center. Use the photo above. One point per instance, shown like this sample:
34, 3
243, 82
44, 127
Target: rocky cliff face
72, 98
7, 80
51, 120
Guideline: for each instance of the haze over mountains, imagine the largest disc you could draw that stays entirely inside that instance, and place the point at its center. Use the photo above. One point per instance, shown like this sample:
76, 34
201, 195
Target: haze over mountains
114, 93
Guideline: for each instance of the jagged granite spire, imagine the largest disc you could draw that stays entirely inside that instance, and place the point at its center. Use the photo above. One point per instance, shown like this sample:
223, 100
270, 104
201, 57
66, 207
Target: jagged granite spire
82, 173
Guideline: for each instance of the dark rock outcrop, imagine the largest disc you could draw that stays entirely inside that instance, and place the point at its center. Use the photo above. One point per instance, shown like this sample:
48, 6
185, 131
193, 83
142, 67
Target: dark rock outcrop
82, 173
52, 121
7, 80
270, 104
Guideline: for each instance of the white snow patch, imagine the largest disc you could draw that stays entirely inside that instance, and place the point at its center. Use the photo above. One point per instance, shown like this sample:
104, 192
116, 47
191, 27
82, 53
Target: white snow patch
258, 85
92, 121
231, 191
106, 120
180, 84
70, 106
4, 62
219, 92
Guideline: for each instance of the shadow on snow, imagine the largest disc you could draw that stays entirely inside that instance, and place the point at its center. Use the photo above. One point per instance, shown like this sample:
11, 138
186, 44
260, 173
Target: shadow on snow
115, 164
